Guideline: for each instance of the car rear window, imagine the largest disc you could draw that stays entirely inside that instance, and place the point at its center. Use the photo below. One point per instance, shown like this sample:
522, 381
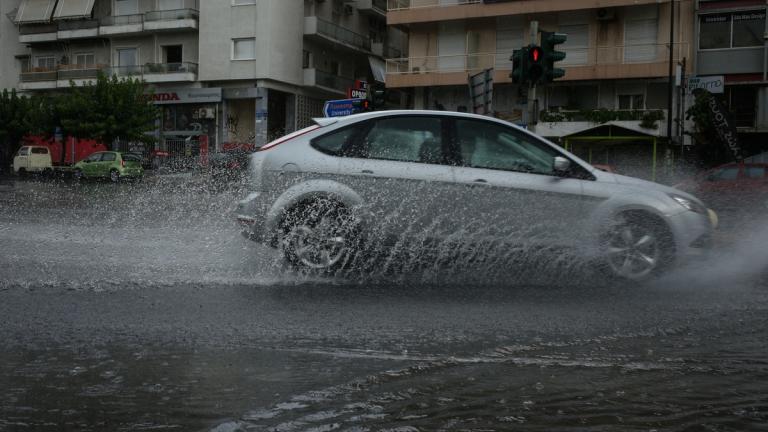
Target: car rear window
108, 157
333, 142
131, 158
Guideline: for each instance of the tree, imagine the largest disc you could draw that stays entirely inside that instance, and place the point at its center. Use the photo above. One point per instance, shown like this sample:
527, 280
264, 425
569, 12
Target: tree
14, 123
108, 109
709, 151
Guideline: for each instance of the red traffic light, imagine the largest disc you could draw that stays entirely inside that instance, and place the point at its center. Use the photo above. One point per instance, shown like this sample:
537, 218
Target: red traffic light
536, 54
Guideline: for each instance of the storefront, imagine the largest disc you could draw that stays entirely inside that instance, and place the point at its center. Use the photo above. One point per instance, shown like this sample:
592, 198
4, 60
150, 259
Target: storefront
186, 116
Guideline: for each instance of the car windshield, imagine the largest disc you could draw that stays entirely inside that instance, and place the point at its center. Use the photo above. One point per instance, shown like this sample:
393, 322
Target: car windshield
383, 215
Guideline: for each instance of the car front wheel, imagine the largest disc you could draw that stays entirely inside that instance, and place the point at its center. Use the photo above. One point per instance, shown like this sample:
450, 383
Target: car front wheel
636, 247
318, 236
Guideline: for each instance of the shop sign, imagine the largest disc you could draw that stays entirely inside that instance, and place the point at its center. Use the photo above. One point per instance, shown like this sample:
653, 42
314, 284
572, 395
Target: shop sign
712, 84
197, 95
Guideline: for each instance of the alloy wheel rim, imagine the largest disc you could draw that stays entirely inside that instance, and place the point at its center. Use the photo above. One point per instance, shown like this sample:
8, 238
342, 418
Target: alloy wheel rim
633, 252
319, 247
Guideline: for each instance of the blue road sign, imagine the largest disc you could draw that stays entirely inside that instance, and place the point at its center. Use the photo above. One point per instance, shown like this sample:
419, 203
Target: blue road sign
342, 107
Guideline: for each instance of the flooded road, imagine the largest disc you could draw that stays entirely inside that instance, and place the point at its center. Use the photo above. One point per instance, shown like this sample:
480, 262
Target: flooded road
139, 307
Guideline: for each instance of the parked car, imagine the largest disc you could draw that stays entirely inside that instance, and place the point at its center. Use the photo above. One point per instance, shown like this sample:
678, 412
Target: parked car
111, 165
32, 159
228, 166
731, 186
401, 179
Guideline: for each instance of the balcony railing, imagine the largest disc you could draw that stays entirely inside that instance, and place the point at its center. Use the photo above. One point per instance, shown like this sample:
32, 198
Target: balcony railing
335, 32
615, 55
170, 68
74, 72
37, 75
172, 15
414, 4
325, 79
126, 71
78, 25
32, 29
119, 20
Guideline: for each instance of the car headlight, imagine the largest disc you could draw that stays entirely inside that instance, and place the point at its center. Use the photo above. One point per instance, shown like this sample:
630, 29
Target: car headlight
689, 204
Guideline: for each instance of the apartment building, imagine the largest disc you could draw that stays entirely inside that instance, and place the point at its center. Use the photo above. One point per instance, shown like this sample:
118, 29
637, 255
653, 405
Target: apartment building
731, 54
617, 60
235, 71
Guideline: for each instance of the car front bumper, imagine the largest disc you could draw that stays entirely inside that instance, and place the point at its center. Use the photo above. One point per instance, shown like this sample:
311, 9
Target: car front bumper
693, 233
250, 217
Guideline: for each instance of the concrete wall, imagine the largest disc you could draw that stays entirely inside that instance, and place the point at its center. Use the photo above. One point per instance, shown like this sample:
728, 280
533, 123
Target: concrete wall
278, 29
9, 47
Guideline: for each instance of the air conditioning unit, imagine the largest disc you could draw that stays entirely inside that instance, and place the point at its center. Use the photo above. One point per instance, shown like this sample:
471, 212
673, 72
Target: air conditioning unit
606, 14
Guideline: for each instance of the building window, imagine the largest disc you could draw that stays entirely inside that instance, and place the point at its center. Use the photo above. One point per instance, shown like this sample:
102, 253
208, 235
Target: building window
306, 59
45, 62
631, 102
243, 2
85, 59
126, 7
732, 30
244, 49
173, 54
576, 47
742, 101
171, 4
510, 35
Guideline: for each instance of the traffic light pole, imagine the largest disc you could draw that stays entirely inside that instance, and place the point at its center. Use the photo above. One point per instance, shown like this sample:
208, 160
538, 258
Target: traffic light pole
531, 121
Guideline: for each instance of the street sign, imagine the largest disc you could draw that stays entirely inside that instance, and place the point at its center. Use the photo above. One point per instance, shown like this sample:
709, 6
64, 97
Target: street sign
712, 84
343, 107
357, 93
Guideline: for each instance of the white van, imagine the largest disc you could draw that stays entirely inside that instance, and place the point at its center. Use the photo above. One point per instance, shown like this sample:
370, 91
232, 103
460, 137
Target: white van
32, 159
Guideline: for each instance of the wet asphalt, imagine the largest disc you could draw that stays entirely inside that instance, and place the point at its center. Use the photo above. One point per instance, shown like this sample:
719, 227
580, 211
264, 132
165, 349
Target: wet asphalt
138, 306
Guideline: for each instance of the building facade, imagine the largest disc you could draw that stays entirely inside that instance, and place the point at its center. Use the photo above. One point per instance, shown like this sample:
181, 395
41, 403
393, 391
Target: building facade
617, 67
731, 54
234, 71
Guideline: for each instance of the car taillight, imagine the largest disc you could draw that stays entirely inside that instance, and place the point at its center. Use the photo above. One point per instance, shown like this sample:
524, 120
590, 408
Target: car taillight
288, 137
122, 163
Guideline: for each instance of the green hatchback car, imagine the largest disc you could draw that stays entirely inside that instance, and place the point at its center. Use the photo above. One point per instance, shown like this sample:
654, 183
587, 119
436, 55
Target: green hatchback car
111, 165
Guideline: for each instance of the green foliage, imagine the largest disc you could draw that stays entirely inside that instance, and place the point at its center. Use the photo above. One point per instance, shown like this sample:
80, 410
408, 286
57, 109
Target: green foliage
14, 121
110, 108
709, 150
647, 119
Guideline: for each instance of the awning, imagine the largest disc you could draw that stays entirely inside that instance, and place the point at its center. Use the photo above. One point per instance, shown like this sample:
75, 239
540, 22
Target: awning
35, 11
73, 9
379, 69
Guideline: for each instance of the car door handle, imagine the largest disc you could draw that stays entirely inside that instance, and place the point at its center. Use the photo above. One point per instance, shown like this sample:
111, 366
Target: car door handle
366, 172
480, 181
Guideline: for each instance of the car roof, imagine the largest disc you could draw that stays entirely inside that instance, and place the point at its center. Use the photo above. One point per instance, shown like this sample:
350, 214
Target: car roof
326, 121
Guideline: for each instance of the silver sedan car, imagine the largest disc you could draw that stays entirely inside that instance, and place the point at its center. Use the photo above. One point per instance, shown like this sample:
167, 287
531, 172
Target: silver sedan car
399, 181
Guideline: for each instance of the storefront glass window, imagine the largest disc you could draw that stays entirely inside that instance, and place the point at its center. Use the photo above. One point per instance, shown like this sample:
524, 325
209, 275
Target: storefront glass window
715, 31
748, 29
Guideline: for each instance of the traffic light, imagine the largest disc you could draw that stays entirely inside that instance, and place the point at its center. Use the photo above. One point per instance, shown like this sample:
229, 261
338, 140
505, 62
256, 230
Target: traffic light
535, 64
549, 42
378, 97
519, 59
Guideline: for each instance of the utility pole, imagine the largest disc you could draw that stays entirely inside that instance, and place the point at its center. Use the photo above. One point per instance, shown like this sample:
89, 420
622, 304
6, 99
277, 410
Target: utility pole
532, 114
671, 86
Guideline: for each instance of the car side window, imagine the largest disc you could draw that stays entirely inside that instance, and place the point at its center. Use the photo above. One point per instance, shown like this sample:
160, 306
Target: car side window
754, 172
108, 157
489, 145
39, 150
406, 139
94, 157
24, 151
332, 143
724, 174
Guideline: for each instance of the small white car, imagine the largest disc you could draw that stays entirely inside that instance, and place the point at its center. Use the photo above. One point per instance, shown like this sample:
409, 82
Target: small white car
32, 159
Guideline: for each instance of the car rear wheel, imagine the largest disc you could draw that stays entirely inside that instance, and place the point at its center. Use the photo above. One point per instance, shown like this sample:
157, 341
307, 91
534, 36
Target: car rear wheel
318, 236
114, 176
78, 174
636, 247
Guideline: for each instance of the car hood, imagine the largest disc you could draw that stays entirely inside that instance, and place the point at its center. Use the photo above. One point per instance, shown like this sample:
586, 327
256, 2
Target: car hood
649, 185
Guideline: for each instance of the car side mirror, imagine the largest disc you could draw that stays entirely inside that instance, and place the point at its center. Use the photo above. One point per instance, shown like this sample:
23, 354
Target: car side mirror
561, 165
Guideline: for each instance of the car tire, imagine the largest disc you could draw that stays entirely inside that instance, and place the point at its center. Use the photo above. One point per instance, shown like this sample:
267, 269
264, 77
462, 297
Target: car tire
636, 247
114, 176
22, 173
319, 236
78, 175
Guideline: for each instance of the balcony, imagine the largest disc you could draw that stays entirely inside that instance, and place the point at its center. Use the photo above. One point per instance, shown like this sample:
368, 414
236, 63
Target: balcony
170, 72
121, 24
382, 50
327, 81
325, 31
616, 62
38, 79
373, 7
79, 74
32, 33
78, 29
179, 19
